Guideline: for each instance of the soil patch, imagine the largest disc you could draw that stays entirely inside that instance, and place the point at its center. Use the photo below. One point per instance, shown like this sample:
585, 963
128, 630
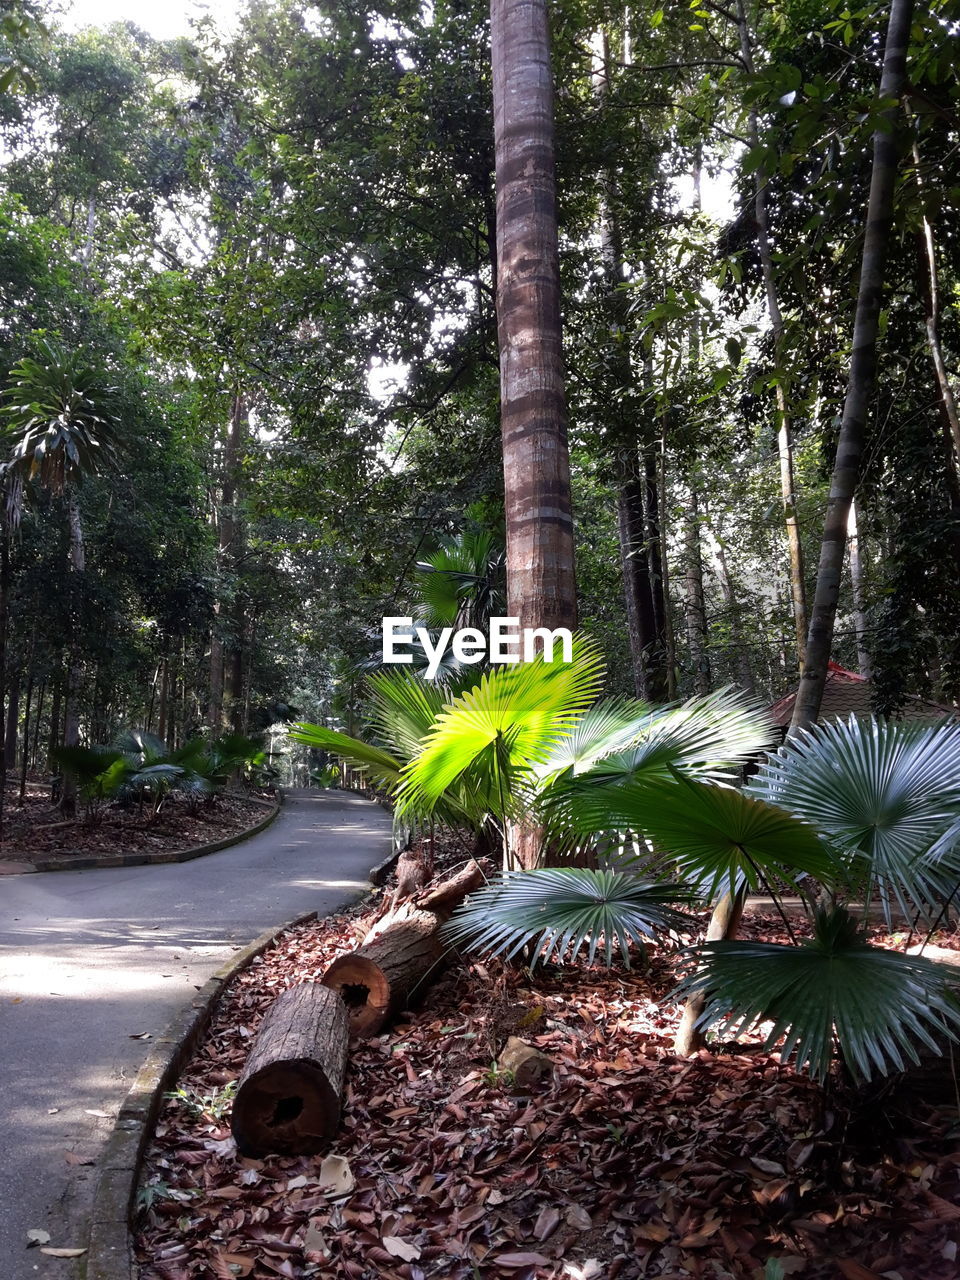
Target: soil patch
38, 830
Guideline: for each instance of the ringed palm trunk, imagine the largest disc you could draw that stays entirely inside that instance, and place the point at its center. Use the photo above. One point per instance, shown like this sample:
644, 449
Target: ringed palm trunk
541, 590
862, 374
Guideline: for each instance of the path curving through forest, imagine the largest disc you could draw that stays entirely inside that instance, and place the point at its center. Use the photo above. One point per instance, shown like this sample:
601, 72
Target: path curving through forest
90, 960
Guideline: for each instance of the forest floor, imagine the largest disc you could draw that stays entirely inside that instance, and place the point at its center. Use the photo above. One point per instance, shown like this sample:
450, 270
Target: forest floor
631, 1163
38, 829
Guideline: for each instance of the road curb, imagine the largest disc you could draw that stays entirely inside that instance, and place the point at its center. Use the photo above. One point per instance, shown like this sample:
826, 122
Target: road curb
110, 1253
92, 863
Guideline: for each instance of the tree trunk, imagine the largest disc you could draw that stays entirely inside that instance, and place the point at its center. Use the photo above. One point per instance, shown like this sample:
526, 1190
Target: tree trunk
56, 718
13, 723
229, 532
728, 590
4, 617
724, 924
71, 719
860, 382
288, 1098
539, 518
163, 709
24, 763
649, 675
541, 587
856, 584
37, 722
696, 609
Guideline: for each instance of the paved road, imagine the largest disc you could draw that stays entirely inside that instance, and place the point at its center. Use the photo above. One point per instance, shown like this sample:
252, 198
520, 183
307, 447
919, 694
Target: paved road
90, 958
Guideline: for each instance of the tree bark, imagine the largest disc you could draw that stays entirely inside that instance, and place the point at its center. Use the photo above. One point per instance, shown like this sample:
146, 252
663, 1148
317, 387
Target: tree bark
857, 591
729, 593
861, 378
25, 762
539, 516
798, 591
71, 719
649, 674
288, 1097
228, 534
400, 953
13, 722
377, 980
56, 717
696, 609
724, 924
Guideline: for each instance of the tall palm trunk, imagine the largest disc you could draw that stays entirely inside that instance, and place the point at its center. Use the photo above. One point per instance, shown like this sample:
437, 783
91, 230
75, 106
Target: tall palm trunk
228, 534
798, 591
863, 361
539, 518
541, 588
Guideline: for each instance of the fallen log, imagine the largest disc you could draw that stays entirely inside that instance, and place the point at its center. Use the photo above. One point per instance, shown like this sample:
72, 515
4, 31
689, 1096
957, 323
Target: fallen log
400, 954
288, 1097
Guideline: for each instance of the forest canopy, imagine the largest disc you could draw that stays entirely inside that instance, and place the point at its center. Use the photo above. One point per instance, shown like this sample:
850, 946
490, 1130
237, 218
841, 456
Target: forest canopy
252, 276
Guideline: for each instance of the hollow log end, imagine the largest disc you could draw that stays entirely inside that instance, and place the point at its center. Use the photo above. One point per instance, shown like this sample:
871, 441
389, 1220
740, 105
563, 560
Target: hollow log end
364, 990
288, 1108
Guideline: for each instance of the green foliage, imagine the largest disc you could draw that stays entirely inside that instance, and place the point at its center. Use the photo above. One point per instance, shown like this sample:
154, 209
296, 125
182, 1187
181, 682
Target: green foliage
886, 797
875, 1005
559, 911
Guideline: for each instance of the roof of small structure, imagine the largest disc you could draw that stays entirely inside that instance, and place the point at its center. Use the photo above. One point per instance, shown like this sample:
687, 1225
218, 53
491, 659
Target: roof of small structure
845, 693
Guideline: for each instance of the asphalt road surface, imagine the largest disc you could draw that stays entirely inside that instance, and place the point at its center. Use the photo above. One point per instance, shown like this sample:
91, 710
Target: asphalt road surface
89, 959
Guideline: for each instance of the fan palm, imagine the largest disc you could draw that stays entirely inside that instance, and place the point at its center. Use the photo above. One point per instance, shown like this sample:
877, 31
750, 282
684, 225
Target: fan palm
461, 583
886, 797
564, 909
834, 989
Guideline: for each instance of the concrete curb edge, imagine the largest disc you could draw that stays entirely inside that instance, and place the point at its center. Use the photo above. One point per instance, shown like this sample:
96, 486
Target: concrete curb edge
45, 865
109, 1252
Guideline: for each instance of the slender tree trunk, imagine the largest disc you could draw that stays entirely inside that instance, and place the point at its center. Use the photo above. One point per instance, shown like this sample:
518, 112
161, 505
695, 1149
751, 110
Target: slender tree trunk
56, 719
696, 609
723, 926
861, 378
37, 722
541, 587
24, 763
729, 593
228, 552
798, 593
857, 591
649, 681
163, 708
13, 722
71, 720
651, 503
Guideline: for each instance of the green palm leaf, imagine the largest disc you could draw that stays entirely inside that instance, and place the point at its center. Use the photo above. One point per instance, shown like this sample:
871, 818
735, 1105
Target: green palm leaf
498, 731
877, 1005
373, 761
885, 795
566, 909
718, 838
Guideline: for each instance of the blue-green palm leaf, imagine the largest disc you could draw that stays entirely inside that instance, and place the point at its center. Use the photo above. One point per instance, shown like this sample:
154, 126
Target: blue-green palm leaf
877, 1006
716, 837
564, 910
885, 795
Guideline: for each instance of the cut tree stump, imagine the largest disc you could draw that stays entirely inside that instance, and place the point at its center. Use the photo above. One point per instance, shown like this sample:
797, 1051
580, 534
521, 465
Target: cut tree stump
400, 954
288, 1098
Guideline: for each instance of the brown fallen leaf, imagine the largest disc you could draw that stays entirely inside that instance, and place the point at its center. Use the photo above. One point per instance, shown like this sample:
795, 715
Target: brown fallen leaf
401, 1248
514, 1261
53, 1252
850, 1269
547, 1222
656, 1231
72, 1157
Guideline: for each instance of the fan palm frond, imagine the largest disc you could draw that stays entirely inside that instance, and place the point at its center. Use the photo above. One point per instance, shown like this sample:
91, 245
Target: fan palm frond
876, 1005
564, 910
886, 796
717, 838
